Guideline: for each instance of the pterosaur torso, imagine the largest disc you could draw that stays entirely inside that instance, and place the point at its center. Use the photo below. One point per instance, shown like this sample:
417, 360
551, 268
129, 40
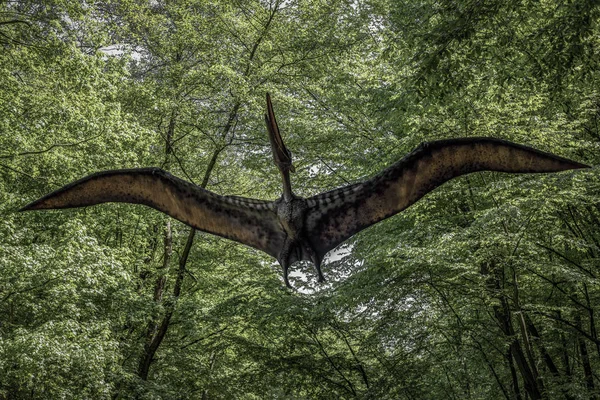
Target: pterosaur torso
293, 228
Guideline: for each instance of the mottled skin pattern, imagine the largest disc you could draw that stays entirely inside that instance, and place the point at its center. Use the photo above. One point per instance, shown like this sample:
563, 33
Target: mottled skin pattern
292, 216
293, 228
291, 209
249, 221
337, 215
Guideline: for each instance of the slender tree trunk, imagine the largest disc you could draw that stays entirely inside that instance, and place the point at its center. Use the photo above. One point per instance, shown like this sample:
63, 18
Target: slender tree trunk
157, 331
565, 352
533, 331
525, 334
529, 381
151, 331
150, 344
213, 359
585, 361
548, 361
593, 331
503, 315
491, 367
161, 329
513, 374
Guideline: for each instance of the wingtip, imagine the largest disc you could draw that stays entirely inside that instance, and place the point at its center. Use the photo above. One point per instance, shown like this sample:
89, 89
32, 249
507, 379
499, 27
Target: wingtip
560, 163
31, 206
40, 204
582, 166
571, 164
49, 201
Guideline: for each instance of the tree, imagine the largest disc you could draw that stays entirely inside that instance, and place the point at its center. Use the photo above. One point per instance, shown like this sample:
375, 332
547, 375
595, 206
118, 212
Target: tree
485, 289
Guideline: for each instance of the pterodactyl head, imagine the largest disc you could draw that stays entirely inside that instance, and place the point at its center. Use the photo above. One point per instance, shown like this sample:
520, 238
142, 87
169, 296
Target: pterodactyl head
282, 157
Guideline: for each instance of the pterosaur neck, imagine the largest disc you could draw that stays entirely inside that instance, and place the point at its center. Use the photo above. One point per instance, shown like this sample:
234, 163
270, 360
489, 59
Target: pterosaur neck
287, 185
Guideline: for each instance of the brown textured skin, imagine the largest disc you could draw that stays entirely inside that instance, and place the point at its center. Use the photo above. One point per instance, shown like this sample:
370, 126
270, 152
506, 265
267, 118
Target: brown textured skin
248, 221
337, 215
293, 228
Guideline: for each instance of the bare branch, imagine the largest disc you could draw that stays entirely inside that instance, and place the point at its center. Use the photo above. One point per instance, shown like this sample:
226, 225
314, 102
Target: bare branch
56, 145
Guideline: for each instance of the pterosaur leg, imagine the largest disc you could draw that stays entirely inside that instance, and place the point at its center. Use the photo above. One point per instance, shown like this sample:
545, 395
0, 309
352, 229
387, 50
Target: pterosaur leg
316, 260
317, 263
286, 266
284, 260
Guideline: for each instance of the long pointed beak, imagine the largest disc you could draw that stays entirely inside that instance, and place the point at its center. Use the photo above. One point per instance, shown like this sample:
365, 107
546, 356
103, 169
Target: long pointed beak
281, 155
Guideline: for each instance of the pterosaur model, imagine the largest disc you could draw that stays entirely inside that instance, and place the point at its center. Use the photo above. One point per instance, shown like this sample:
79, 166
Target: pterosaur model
293, 228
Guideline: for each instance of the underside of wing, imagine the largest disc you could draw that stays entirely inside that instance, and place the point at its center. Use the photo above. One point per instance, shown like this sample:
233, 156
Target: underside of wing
337, 215
248, 221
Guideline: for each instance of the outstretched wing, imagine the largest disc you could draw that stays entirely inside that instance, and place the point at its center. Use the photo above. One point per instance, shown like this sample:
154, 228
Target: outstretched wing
337, 215
248, 221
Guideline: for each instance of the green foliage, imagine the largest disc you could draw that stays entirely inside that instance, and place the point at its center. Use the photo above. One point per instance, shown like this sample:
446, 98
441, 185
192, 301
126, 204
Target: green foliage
487, 278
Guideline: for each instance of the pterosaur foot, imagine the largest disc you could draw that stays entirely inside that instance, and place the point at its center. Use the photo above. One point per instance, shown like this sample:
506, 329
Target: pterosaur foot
316, 260
286, 266
285, 278
317, 263
321, 278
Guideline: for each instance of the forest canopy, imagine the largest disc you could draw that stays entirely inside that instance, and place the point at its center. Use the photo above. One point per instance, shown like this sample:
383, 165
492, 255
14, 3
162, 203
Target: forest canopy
485, 289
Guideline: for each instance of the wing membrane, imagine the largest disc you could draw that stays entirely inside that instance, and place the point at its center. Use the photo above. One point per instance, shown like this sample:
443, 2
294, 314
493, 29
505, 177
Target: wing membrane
248, 221
337, 215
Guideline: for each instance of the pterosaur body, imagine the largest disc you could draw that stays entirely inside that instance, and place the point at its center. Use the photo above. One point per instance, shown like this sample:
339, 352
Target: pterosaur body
293, 228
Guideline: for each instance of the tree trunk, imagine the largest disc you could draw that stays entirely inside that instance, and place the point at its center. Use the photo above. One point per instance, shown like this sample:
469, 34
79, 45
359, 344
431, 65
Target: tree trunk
585, 361
157, 331
502, 313
149, 345
550, 364
513, 374
153, 328
565, 351
525, 334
